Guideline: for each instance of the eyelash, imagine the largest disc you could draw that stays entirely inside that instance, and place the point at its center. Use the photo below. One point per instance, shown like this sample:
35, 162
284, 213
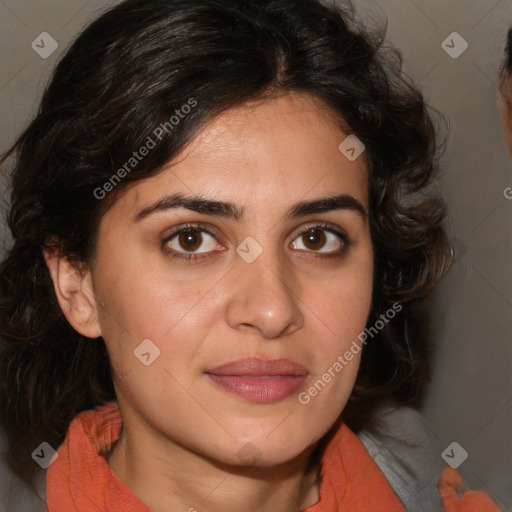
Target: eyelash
325, 226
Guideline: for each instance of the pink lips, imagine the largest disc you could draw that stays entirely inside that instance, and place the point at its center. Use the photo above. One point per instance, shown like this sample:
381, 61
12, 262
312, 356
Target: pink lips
260, 380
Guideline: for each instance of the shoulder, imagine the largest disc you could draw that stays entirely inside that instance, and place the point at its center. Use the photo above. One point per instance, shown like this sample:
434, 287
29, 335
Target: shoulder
404, 450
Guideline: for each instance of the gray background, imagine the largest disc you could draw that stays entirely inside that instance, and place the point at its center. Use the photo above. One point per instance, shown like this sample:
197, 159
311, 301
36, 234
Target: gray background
470, 398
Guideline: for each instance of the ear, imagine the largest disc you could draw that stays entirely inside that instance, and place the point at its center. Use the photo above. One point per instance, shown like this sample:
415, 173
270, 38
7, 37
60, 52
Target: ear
75, 294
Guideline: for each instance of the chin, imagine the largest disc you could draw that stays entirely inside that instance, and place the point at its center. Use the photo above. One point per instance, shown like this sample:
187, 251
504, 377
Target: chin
250, 457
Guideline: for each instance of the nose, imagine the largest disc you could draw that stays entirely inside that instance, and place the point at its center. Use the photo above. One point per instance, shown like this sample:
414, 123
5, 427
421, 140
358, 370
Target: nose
261, 298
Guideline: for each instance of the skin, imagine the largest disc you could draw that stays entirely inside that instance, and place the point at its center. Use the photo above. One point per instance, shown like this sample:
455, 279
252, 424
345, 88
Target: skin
292, 302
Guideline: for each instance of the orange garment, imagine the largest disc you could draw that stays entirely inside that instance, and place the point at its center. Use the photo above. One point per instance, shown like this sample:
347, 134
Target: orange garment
80, 479
472, 501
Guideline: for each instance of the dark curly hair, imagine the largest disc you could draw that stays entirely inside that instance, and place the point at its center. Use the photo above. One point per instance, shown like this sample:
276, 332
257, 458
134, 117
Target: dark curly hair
505, 80
127, 73
506, 67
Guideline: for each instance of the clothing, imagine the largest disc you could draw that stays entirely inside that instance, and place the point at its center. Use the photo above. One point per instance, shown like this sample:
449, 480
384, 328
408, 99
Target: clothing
400, 448
80, 477
406, 452
80, 480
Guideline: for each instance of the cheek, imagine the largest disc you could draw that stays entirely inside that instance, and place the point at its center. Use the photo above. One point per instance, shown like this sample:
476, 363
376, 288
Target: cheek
175, 313
346, 303
343, 301
339, 327
144, 296
339, 314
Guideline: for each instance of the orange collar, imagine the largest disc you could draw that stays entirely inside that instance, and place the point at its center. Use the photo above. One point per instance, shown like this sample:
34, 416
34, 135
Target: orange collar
80, 479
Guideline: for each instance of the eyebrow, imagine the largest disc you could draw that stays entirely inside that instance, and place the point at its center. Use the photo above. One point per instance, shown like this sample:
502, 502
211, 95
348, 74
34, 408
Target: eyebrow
232, 211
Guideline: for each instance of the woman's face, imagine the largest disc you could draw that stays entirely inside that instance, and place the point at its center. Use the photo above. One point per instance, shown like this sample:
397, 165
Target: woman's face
243, 313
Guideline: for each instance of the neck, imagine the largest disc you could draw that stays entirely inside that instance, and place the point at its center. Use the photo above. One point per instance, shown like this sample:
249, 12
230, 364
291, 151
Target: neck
192, 483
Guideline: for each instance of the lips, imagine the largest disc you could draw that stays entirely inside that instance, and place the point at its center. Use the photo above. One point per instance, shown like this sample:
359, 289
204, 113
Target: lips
259, 380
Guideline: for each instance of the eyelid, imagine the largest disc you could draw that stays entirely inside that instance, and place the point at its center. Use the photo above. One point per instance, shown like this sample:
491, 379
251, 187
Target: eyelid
193, 226
326, 226
185, 228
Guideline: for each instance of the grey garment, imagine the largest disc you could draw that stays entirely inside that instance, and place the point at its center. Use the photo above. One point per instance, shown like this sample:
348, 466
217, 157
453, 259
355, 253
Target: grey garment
402, 448
405, 451
15, 495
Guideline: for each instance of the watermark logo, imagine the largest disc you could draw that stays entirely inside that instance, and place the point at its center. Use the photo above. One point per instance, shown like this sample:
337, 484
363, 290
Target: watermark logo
249, 454
147, 352
454, 45
44, 45
249, 250
44, 455
454, 455
352, 148
459, 249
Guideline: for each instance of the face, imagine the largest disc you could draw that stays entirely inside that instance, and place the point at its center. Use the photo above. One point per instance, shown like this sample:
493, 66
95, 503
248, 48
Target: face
247, 263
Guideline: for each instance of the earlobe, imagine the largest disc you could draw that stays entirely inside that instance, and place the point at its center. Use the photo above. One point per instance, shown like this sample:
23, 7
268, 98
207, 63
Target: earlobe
75, 294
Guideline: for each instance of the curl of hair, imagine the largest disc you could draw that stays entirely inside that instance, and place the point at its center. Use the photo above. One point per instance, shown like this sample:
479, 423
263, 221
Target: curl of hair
127, 73
505, 83
506, 66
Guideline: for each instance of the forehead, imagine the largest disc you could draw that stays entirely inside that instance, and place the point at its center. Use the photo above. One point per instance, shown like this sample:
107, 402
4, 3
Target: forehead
283, 150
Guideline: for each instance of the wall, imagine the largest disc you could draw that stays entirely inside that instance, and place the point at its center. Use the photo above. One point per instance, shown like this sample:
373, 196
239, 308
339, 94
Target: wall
470, 398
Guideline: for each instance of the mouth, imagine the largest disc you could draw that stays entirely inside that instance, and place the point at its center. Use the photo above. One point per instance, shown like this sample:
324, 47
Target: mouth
260, 380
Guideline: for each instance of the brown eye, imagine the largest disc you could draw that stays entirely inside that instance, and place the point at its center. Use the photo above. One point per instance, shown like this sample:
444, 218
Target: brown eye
190, 240
323, 240
314, 239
